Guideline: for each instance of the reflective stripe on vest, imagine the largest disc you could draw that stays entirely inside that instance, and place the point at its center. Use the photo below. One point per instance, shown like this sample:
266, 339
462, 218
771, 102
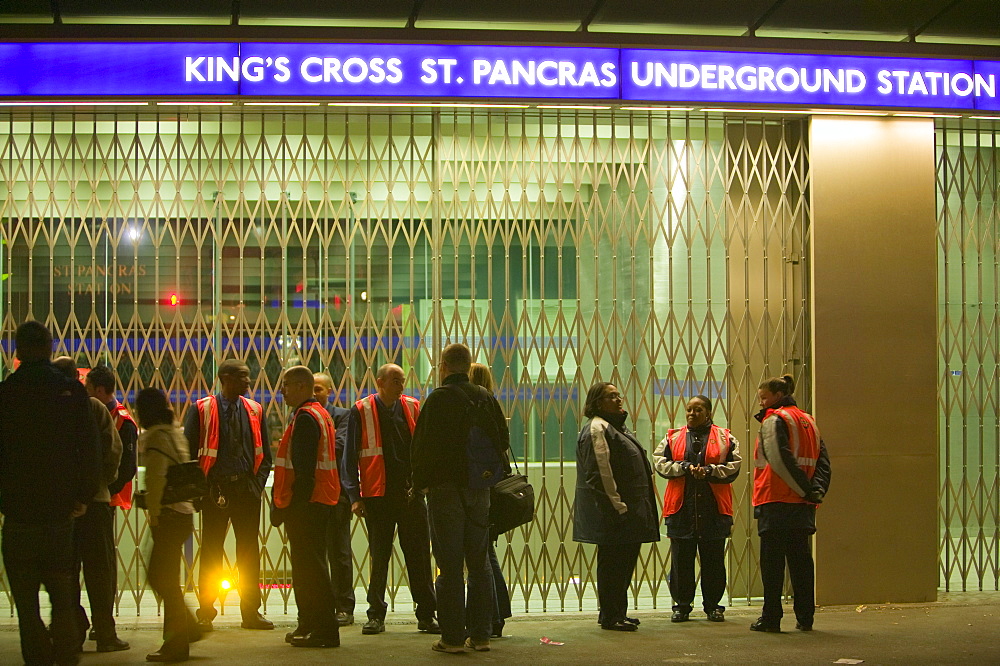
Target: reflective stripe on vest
208, 431
326, 489
123, 497
716, 453
371, 462
803, 440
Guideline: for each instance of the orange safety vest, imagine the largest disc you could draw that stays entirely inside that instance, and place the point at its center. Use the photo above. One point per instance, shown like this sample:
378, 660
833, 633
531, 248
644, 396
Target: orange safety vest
123, 497
371, 463
803, 439
327, 487
208, 431
716, 452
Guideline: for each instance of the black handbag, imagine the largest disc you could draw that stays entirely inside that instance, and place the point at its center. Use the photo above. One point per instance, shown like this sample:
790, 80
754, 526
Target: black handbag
512, 503
185, 481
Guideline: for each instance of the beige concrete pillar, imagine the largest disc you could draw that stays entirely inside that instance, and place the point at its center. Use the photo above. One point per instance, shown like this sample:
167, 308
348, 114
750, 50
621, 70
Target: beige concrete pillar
875, 356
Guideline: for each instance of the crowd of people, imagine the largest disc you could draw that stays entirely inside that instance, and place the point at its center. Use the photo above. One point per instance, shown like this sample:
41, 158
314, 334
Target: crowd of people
68, 458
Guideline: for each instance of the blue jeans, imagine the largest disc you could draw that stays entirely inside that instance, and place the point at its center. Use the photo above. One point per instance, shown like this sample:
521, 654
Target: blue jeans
459, 522
36, 555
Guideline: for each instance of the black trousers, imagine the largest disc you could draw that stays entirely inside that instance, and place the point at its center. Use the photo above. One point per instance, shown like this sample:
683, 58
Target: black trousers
169, 534
306, 527
94, 552
615, 565
243, 511
382, 516
794, 547
36, 555
713, 572
338, 551
501, 595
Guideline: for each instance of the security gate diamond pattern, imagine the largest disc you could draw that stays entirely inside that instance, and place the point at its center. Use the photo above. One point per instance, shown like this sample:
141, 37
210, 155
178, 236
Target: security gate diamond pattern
663, 252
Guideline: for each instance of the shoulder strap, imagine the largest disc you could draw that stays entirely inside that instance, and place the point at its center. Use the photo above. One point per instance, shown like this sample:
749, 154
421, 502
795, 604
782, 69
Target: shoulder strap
164, 454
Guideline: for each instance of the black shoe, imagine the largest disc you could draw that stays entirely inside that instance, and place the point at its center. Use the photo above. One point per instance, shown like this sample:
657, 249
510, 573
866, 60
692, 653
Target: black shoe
429, 626
716, 615
92, 636
497, 631
295, 633
166, 655
314, 640
373, 626
763, 625
680, 616
114, 645
804, 626
257, 621
345, 619
619, 626
205, 617
633, 620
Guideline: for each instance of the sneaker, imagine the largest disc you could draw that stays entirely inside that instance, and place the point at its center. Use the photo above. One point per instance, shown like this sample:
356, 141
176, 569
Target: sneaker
680, 616
441, 646
633, 620
763, 625
373, 626
716, 615
478, 646
345, 619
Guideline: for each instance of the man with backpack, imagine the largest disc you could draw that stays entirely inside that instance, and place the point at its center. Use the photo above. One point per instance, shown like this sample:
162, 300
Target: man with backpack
458, 454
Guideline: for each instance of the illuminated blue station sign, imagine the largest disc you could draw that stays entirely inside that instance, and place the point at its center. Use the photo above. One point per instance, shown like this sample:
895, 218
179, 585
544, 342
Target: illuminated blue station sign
254, 69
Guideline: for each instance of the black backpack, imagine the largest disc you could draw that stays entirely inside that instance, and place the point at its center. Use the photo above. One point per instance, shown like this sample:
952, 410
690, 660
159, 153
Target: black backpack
485, 450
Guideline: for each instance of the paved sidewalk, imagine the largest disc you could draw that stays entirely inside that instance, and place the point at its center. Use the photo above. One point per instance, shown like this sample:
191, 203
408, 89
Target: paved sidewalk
962, 630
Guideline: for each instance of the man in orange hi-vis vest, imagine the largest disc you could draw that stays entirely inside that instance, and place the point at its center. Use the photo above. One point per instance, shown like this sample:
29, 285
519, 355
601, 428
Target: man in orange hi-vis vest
229, 432
377, 481
101, 384
306, 488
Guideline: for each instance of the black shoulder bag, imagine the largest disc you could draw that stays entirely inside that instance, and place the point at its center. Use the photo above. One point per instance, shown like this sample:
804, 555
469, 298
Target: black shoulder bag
512, 502
185, 482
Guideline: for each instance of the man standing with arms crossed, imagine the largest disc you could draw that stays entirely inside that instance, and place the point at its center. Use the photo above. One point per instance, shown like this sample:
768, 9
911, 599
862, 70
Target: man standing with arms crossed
49, 471
306, 487
377, 480
229, 431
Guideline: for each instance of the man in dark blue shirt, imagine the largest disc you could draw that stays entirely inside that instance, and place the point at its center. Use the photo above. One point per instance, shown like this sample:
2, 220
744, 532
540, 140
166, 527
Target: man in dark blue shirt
229, 432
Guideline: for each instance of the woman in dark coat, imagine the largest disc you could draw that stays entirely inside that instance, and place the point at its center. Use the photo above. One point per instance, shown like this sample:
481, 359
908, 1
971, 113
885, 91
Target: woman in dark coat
615, 506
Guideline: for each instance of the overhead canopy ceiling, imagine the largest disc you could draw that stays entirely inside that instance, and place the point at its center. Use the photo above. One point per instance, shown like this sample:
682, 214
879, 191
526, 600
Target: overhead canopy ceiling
975, 22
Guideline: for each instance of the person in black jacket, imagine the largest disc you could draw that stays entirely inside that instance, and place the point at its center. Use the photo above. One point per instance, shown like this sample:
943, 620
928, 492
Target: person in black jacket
459, 513
49, 471
615, 504
700, 462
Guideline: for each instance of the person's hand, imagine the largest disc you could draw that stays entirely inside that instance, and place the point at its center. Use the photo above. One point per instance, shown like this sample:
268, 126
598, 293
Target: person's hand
815, 496
699, 472
358, 509
78, 510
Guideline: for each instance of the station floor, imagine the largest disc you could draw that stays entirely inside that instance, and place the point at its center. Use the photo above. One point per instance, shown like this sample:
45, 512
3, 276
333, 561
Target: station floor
959, 629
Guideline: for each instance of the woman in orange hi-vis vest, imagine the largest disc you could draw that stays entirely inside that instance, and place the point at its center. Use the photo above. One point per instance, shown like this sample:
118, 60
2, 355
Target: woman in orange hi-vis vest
700, 462
790, 478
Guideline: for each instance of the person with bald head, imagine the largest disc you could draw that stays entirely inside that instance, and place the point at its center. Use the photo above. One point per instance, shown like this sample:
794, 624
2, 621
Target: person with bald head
377, 480
94, 531
229, 432
306, 488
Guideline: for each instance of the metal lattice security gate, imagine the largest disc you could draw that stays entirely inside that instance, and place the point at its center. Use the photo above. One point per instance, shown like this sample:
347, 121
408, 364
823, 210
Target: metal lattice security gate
969, 343
665, 253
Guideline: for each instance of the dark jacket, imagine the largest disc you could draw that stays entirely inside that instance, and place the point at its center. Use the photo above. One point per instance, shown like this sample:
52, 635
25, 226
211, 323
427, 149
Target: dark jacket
441, 437
229, 461
785, 515
49, 452
341, 420
615, 498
